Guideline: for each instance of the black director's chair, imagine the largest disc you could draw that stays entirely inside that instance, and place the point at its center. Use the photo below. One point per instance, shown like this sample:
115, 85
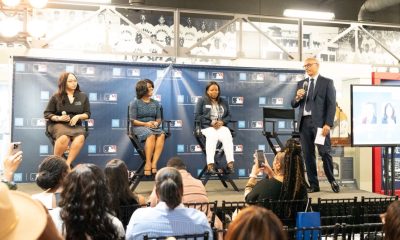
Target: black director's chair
221, 171
279, 122
138, 174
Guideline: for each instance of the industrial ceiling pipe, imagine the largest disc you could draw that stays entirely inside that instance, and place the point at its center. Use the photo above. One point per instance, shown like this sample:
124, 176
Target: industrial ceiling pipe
371, 6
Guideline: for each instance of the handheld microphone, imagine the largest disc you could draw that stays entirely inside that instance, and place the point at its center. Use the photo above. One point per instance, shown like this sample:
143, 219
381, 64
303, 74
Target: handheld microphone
305, 86
63, 113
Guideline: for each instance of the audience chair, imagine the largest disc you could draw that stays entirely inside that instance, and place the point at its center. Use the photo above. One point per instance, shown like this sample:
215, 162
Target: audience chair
138, 174
126, 211
286, 210
222, 173
230, 209
371, 208
199, 236
209, 208
367, 231
314, 233
52, 140
337, 211
277, 123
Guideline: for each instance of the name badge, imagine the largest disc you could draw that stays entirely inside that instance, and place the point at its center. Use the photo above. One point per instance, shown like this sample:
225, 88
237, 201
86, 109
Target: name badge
78, 103
208, 106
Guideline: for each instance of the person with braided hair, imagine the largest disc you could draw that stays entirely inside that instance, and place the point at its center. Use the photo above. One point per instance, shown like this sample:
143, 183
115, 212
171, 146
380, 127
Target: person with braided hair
286, 179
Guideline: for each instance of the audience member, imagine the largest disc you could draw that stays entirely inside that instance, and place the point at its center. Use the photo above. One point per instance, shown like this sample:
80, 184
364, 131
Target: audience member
213, 114
145, 115
11, 163
51, 174
116, 173
85, 206
391, 221
287, 181
193, 189
255, 223
24, 218
169, 217
65, 111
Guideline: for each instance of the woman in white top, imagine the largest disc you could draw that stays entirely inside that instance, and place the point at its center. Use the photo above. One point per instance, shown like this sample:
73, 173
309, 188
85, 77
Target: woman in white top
85, 203
51, 173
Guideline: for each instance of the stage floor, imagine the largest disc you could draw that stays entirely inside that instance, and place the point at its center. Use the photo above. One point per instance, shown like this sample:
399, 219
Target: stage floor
216, 191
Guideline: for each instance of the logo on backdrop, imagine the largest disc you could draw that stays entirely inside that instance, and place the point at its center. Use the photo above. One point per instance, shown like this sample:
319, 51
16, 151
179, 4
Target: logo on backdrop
176, 123
195, 148
41, 68
90, 122
256, 124
110, 97
238, 100
277, 101
133, 72
217, 75
194, 99
38, 122
110, 149
238, 148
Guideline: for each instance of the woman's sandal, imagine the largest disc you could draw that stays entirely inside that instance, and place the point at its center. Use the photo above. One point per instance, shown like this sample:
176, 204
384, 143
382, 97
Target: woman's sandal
147, 172
154, 171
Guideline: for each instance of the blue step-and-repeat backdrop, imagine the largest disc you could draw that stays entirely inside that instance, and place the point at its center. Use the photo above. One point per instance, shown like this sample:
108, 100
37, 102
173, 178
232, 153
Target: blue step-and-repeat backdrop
111, 86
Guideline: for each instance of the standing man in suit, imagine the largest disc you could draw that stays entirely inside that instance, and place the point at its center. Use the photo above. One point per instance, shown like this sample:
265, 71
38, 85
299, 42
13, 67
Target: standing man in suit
316, 98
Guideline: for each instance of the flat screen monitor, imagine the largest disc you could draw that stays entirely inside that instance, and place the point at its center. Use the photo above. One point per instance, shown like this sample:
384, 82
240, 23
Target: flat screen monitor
375, 115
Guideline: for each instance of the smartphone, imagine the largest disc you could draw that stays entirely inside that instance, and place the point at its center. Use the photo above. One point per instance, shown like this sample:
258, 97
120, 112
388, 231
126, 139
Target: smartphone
260, 158
16, 147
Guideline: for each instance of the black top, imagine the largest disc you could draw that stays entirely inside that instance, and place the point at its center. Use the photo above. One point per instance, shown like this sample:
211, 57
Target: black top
80, 105
265, 189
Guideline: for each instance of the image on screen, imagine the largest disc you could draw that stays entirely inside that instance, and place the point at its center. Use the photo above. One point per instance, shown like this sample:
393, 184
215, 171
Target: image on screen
375, 115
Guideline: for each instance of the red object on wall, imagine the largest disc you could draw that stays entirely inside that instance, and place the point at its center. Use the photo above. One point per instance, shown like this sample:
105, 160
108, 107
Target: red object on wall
377, 151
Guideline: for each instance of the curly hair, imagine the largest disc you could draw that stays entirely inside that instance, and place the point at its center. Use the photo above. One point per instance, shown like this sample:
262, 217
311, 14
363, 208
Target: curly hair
116, 173
141, 87
51, 172
85, 202
391, 228
256, 223
62, 85
294, 179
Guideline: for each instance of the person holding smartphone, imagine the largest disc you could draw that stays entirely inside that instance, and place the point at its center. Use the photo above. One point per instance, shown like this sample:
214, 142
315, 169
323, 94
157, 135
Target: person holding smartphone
286, 177
66, 110
11, 163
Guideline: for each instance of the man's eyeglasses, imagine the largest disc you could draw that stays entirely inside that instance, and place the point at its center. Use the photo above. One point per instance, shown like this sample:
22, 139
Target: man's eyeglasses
308, 65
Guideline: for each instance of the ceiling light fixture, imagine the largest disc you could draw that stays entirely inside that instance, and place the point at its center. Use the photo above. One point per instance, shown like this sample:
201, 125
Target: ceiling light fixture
308, 14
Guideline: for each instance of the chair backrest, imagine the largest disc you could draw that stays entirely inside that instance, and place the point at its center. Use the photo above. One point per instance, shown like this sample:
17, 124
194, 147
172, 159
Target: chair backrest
337, 210
209, 208
370, 231
230, 209
198, 236
286, 209
126, 211
314, 233
272, 115
371, 208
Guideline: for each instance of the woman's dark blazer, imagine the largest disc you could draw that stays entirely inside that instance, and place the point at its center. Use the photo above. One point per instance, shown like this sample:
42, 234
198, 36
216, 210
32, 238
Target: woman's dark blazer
203, 111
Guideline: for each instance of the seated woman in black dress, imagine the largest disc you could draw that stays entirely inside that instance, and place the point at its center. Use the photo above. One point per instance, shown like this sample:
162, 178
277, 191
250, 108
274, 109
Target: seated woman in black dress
287, 179
213, 114
66, 109
145, 115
